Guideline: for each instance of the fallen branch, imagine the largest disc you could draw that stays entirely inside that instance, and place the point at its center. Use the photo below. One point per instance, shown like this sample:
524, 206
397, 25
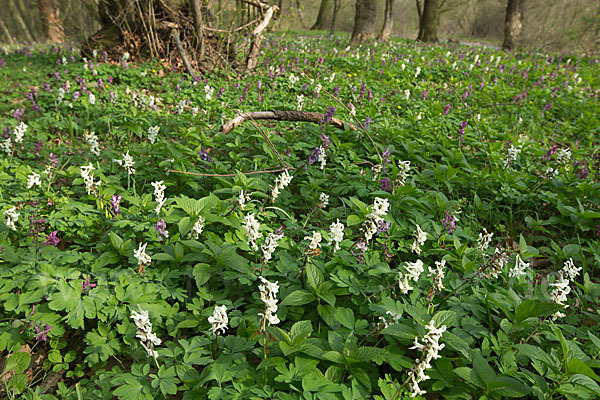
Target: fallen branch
182, 54
280, 115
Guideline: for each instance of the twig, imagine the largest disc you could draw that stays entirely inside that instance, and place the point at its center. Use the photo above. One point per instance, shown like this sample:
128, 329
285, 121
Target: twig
186, 62
269, 171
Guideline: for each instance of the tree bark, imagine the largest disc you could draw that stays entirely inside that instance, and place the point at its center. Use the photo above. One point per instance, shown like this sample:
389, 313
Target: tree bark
430, 18
388, 21
364, 21
16, 14
324, 17
336, 7
51, 22
280, 115
198, 28
513, 24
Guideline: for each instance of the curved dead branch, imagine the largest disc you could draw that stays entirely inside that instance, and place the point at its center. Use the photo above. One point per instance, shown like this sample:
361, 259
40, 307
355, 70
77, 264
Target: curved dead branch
281, 115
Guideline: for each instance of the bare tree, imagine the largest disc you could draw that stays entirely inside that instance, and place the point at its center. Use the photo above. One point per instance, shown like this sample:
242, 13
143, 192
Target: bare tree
513, 24
336, 8
429, 18
364, 21
51, 22
388, 21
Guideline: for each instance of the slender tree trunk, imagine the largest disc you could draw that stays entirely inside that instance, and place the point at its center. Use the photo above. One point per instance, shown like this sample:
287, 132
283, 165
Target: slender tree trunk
388, 21
420, 15
198, 27
428, 24
324, 17
364, 21
336, 7
513, 24
51, 22
16, 14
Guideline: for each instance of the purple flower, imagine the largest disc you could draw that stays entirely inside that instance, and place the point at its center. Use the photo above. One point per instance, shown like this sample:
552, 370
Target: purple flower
204, 156
41, 334
447, 109
2, 63
114, 202
328, 115
367, 122
86, 284
326, 141
383, 226
38, 146
386, 185
161, 229
461, 131
550, 153
314, 155
53, 160
424, 94
18, 114
52, 239
449, 223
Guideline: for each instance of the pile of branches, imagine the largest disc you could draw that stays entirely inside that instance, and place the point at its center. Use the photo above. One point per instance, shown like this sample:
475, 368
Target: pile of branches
180, 33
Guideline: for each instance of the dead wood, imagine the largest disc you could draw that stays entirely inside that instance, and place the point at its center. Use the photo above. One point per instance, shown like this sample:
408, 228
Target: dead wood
282, 115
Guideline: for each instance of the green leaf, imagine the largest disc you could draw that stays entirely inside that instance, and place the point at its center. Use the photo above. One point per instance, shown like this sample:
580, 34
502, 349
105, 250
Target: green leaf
18, 383
506, 386
132, 389
18, 362
353, 220
345, 316
298, 298
314, 275
577, 366
202, 273
594, 340
445, 317
115, 240
534, 308
522, 245
301, 330
586, 382
483, 369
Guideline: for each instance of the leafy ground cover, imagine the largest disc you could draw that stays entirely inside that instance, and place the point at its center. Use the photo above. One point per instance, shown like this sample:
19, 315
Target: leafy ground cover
447, 248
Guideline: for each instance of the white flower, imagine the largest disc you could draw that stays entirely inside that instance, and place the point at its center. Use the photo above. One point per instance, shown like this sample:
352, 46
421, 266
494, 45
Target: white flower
414, 270
180, 106
438, 275
352, 109
520, 268
511, 155
563, 156
209, 92
219, 319
20, 132
323, 200
270, 245
281, 182
252, 226
394, 319
420, 238
322, 157
378, 211
159, 195
570, 269
144, 332
140, 254
12, 216
127, 163
376, 170
300, 100
418, 71
407, 94
197, 228
33, 179
88, 178
403, 168
92, 141
268, 295
332, 77
484, 240
60, 95
430, 348
336, 234
293, 79
7, 146
315, 240
153, 133
92, 98
242, 199
403, 284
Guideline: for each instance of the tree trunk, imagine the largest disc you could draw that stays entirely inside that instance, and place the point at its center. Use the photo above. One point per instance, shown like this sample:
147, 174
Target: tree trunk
388, 21
336, 7
428, 24
53, 29
513, 24
364, 21
16, 14
324, 17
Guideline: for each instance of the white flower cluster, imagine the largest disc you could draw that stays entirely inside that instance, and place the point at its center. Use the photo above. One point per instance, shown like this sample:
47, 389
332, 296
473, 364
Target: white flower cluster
268, 295
142, 257
180, 106
197, 228
219, 319
88, 178
153, 133
563, 156
430, 347
92, 141
159, 195
561, 288
252, 226
413, 272
281, 183
20, 132
209, 91
12, 216
242, 199
420, 238
33, 179
7, 146
511, 156
484, 240
438, 275
270, 244
300, 100
60, 95
323, 200
336, 234
322, 157
91, 99
315, 240
520, 268
407, 94
393, 319
403, 168
378, 211
127, 163
144, 332
293, 79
